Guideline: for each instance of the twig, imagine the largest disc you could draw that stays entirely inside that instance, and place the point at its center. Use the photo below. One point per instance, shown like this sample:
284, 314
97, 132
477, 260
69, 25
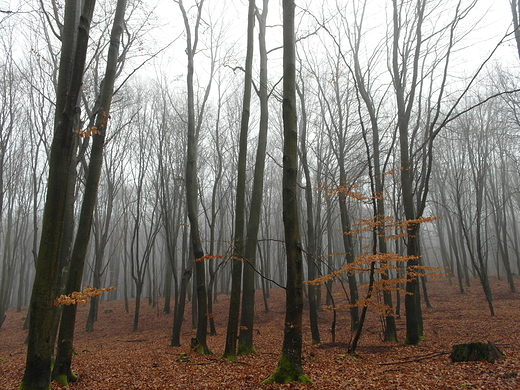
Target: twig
416, 359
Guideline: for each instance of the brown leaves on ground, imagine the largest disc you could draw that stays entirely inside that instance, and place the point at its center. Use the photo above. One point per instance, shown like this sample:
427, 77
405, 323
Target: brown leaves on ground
112, 357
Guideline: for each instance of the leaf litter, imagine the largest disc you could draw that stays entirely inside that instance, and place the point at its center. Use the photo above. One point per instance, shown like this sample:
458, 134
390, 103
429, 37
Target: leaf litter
113, 357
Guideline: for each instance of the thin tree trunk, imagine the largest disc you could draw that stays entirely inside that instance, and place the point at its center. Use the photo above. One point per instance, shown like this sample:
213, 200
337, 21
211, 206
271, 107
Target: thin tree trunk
248, 296
191, 186
311, 238
180, 301
240, 202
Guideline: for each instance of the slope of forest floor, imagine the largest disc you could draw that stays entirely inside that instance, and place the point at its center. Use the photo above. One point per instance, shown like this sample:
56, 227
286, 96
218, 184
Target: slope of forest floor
114, 357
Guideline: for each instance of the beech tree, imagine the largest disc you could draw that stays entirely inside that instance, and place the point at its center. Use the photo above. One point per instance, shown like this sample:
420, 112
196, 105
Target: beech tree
191, 177
374, 152
419, 119
240, 198
253, 226
9, 86
290, 362
62, 371
74, 46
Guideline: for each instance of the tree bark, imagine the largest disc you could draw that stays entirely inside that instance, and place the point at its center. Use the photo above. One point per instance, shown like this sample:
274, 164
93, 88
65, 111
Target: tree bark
240, 198
290, 363
62, 372
414, 326
311, 238
248, 296
72, 63
191, 185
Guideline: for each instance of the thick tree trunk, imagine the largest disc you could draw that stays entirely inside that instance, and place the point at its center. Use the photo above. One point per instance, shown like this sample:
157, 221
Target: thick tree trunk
412, 299
405, 101
62, 371
72, 63
67, 241
290, 363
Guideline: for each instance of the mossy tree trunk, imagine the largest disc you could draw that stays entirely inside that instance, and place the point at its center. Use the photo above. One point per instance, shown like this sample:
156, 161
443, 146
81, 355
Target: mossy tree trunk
289, 365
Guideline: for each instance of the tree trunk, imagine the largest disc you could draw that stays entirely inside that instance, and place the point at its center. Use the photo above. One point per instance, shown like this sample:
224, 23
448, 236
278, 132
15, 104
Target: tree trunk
245, 339
240, 202
72, 63
180, 301
290, 363
405, 101
378, 186
62, 372
311, 238
191, 186
180, 304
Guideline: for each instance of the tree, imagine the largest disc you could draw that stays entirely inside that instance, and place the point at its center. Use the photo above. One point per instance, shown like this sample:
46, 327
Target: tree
477, 125
191, 179
311, 237
74, 46
419, 104
515, 11
377, 167
62, 371
9, 85
290, 362
248, 294
240, 198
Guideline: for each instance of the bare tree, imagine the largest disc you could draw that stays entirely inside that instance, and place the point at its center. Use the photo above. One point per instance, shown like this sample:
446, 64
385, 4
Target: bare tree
240, 200
290, 362
74, 46
191, 176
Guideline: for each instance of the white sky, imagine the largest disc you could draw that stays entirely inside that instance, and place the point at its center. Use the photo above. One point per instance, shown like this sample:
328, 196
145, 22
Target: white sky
492, 19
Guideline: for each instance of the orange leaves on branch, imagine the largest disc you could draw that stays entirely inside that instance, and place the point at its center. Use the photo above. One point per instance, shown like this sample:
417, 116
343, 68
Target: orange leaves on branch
408, 224
391, 172
104, 118
362, 265
90, 131
389, 223
418, 270
81, 297
208, 257
343, 190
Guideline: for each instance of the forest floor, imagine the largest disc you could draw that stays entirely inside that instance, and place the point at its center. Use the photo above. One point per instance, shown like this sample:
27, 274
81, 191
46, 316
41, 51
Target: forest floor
113, 357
